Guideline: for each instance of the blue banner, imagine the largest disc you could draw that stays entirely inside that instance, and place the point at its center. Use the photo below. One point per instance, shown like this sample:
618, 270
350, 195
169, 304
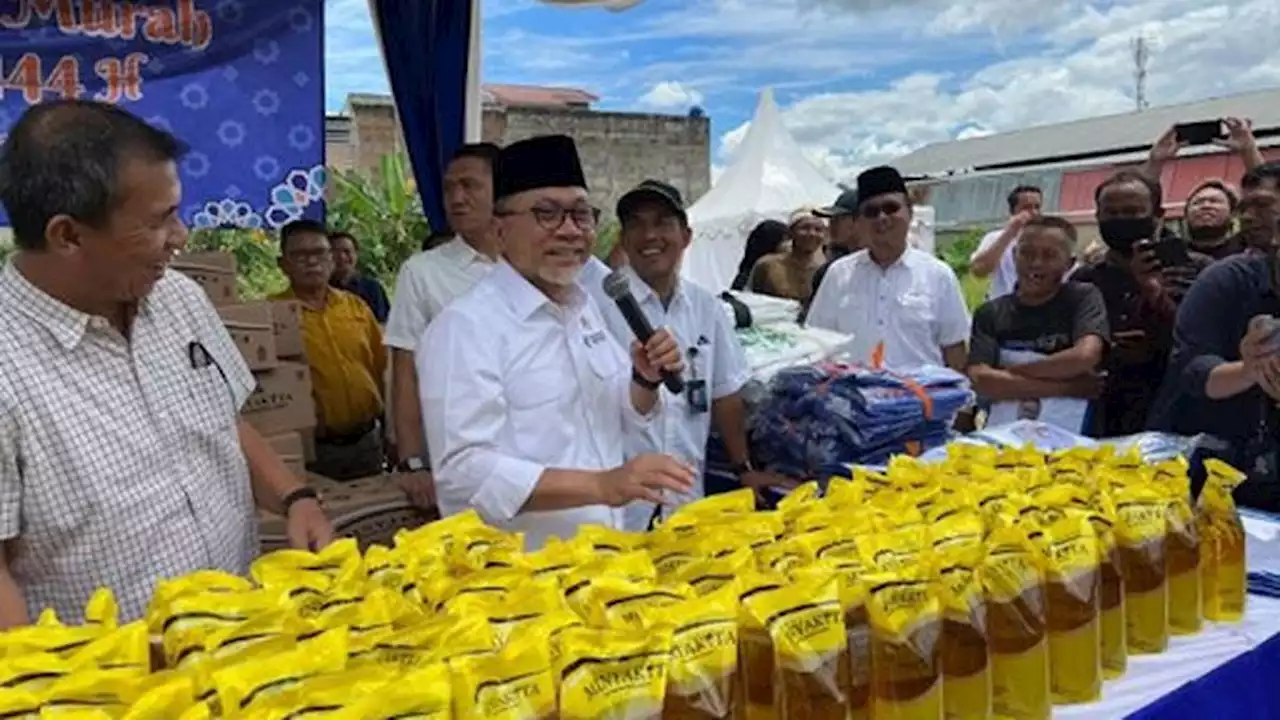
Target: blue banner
240, 81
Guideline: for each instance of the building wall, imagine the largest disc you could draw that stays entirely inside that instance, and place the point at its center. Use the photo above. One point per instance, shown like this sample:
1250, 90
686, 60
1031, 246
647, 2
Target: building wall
618, 149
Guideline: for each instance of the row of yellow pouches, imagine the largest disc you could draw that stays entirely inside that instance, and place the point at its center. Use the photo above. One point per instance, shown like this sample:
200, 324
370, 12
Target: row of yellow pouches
993, 585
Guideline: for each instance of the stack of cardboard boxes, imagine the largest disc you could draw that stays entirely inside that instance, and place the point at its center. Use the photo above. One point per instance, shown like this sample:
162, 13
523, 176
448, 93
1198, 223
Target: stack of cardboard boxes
269, 336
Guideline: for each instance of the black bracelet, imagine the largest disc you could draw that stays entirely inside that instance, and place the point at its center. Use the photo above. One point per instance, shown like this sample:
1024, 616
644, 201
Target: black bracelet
302, 493
644, 382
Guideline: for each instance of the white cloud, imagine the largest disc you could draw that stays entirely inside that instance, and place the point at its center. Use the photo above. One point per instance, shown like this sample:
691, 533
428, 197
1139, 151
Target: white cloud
670, 96
1081, 67
865, 81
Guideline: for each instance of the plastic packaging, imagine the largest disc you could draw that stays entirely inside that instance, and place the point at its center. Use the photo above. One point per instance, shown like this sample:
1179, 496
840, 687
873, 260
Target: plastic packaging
1017, 619
1222, 543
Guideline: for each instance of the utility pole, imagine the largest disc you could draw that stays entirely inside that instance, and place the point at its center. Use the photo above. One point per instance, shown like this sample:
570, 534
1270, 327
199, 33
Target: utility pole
1141, 56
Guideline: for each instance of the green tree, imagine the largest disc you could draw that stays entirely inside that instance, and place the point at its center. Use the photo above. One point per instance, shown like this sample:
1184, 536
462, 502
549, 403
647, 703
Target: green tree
956, 254
383, 212
256, 252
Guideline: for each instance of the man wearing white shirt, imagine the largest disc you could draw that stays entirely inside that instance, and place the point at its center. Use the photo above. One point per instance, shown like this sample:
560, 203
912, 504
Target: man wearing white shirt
994, 256
902, 306
527, 399
655, 233
428, 282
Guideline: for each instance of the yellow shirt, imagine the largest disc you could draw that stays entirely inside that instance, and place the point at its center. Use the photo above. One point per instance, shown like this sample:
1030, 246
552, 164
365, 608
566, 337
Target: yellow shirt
347, 358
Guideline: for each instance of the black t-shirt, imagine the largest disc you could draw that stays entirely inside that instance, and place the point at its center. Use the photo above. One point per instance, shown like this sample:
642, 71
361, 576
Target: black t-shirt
1004, 323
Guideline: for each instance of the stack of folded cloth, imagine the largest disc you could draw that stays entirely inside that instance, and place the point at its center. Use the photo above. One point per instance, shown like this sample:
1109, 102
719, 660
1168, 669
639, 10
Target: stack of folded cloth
819, 419
764, 309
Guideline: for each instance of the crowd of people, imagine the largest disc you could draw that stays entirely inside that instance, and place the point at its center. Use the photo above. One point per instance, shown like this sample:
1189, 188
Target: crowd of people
508, 373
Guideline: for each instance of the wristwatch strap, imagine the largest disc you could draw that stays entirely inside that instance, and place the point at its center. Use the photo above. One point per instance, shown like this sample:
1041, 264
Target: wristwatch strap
643, 382
302, 493
413, 463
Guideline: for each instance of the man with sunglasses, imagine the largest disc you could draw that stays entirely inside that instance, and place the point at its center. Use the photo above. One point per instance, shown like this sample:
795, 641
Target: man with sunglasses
527, 399
902, 306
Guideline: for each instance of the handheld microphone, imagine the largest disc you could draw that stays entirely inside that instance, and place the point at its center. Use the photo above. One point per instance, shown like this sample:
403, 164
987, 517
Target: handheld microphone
619, 290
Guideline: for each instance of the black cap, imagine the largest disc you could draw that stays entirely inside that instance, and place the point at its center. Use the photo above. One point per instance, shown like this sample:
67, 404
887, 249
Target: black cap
651, 190
879, 181
846, 204
539, 162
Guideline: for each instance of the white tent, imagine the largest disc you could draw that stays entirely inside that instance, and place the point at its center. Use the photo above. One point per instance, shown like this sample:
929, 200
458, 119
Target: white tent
769, 179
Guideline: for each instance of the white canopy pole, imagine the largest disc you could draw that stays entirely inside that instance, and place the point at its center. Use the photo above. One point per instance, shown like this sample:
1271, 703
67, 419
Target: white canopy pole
473, 124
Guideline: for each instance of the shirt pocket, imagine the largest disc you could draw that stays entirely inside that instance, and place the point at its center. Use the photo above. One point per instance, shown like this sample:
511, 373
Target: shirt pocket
539, 423
208, 409
915, 314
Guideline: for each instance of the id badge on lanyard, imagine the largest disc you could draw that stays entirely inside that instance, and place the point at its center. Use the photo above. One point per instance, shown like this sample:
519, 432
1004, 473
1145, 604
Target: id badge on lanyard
696, 389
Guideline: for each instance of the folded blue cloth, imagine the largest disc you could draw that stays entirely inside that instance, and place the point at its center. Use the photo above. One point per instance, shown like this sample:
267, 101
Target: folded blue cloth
817, 419
1265, 584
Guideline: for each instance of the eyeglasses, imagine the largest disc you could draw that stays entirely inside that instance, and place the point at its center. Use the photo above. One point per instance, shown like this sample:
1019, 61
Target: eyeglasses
871, 212
551, 217
307, 257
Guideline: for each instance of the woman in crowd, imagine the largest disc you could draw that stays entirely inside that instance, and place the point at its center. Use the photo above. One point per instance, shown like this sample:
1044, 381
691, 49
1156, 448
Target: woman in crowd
790, 274
765, 239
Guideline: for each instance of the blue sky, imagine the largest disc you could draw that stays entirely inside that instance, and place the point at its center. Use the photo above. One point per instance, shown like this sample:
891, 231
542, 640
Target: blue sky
859, 81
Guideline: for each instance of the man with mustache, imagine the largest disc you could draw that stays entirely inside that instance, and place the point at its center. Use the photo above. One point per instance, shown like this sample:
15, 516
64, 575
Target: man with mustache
527, 399
123, 459
1066, 323
902, 306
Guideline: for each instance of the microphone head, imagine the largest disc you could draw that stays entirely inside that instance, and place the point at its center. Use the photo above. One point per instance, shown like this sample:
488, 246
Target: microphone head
616, 285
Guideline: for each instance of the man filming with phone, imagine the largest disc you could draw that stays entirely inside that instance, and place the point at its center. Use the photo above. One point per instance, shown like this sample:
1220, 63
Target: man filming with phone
1224, 378
1143, 276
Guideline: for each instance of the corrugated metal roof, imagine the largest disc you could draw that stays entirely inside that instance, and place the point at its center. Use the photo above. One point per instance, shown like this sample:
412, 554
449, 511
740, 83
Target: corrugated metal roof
1099, 134
983, 201
534, 96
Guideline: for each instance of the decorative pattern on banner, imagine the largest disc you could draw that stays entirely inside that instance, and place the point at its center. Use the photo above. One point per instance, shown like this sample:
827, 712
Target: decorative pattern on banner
240, 81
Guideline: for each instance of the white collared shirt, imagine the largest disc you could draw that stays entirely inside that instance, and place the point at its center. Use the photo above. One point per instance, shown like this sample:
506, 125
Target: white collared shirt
914, 306
120, 460
428, 282
1006, 273
514, 385
713, 355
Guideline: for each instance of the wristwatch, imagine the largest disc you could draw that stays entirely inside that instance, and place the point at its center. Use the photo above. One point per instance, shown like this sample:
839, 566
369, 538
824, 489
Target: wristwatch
302, 493
413, 464
742, 468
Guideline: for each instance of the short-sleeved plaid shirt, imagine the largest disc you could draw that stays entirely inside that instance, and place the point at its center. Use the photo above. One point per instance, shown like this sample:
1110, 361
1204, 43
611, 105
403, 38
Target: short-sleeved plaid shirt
120, 462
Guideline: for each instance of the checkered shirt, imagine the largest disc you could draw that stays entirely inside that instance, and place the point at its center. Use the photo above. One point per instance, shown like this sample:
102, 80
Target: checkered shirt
120, 462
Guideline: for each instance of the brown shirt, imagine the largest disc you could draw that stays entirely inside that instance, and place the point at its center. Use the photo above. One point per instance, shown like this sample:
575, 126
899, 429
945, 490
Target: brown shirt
786, 276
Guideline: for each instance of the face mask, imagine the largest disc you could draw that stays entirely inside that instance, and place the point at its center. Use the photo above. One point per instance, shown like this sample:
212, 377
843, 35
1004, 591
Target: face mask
1121, 233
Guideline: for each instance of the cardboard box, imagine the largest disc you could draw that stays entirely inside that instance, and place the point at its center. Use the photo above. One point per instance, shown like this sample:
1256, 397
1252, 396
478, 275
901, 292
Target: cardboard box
212, 258
296, 465
288, 443
286, 315
250, 326
219, 283
308, 443
369, 509
282, 401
